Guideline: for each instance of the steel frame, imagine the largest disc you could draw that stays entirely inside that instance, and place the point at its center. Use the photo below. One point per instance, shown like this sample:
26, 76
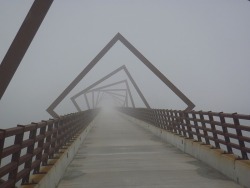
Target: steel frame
109, 85
118, 37
123, 102
108, 90
95, 102
123, 67
73, 99
22, 41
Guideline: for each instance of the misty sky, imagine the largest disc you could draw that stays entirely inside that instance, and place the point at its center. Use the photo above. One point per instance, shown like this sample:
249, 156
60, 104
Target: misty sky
202, 46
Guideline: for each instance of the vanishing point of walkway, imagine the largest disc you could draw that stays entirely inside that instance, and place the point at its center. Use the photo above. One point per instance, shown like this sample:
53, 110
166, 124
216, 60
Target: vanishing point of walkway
118, 153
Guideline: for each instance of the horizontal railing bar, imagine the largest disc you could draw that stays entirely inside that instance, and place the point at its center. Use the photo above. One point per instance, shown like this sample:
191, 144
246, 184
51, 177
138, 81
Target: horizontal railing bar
205, 125
44, 140
10, 150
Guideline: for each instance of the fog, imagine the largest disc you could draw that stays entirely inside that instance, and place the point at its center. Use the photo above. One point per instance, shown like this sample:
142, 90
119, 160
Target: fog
201, 46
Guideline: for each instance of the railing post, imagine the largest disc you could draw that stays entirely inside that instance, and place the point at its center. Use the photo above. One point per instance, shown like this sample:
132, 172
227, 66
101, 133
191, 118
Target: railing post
22, 164
181, 122
2, 139
170, 126
172, 121
16, 156
197, 130
162, 119
156, 118
211, 119
186, 117
165, 119
40, 145
177, 122
225, 132
53, 139
153, 121
30, 150
166, 123
47, 143
239, 135
204, 127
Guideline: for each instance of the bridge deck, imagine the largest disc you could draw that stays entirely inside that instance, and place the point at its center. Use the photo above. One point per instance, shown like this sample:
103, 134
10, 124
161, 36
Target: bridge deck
118, 153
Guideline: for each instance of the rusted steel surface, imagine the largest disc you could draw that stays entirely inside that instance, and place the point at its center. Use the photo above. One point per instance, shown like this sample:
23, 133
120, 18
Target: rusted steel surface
146, 62
89, 88
101, 89
35, 144
22, 42
220, 130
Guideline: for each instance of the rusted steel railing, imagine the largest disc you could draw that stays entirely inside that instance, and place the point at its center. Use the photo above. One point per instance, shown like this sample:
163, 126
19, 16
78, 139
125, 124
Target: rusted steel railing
221, 130
35, 144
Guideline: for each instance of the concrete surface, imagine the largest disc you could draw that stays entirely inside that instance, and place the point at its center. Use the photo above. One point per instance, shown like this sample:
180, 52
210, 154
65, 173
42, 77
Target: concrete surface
51, 175
227, 164
119, 153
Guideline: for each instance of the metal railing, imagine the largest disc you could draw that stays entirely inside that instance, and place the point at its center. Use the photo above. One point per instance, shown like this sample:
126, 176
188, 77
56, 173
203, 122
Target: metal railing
221, 130
35, 144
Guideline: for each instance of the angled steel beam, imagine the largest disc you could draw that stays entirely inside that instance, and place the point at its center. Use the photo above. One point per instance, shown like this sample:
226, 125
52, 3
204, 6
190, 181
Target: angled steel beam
114, 89
117, 94
102, 87
93, 99
126, 99
116, 83
118, 103
108, 76
22, 41
114, 94
117, 99
98, 95
109, 85
86, 99
85, 71
76, 105
146, 62
126, 96
119, 37
100, 99
130, 96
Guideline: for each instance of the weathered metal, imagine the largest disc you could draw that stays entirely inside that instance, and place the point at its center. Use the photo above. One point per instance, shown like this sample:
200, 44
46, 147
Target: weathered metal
22, 41
116, 97
109, 85
42, 143
208, 127
108, 90
119, 37
105, 78
101, 88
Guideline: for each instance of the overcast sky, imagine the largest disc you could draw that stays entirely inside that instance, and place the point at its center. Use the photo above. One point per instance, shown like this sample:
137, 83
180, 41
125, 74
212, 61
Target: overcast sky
202, 46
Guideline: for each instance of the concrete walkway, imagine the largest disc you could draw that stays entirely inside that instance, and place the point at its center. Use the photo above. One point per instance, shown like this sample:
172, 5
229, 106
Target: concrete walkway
118, 153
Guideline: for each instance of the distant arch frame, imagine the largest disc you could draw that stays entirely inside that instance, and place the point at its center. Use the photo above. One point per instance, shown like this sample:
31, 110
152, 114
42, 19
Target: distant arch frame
107, 90
119, 37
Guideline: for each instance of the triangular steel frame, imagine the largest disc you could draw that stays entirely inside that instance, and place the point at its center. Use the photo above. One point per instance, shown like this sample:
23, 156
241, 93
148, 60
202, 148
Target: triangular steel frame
118, 37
